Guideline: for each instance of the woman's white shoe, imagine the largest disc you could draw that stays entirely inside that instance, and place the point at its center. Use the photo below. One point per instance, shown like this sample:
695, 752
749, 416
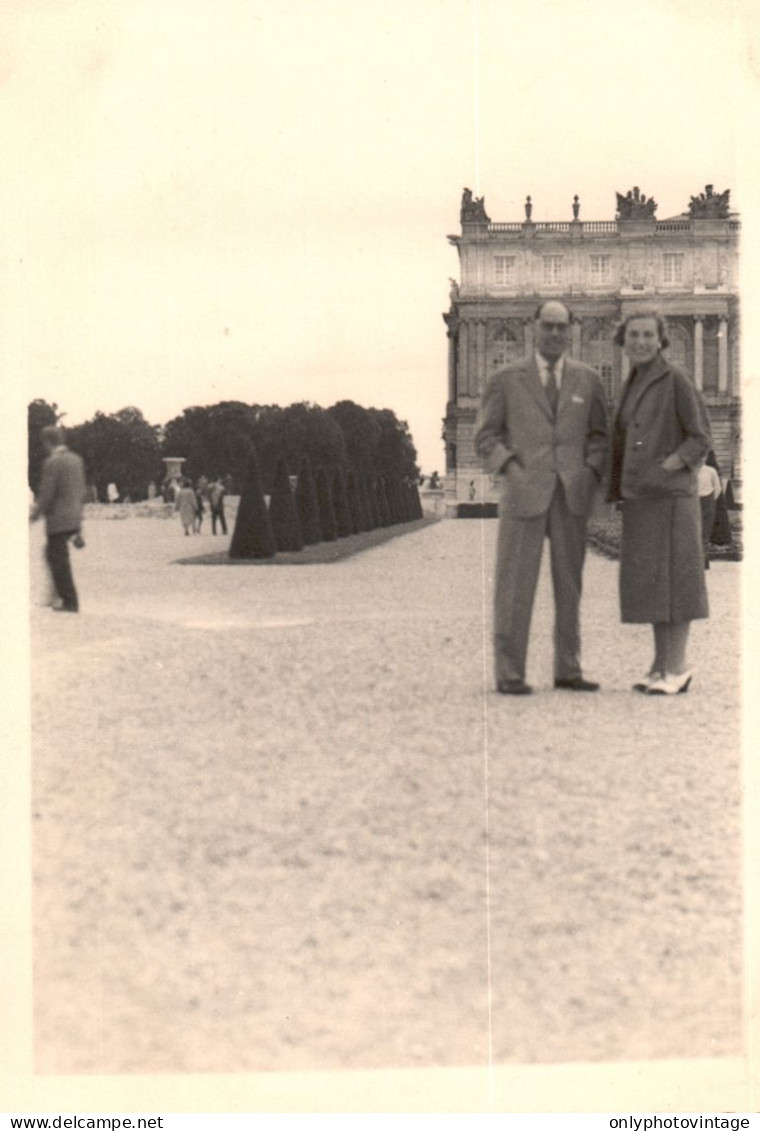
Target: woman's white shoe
671, 684
644, 684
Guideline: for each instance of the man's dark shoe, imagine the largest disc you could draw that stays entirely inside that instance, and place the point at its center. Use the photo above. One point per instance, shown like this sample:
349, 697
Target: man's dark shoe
65, 609
578, 683
513, 687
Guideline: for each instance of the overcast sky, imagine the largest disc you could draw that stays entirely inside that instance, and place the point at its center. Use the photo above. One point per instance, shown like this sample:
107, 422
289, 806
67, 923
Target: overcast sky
249, 199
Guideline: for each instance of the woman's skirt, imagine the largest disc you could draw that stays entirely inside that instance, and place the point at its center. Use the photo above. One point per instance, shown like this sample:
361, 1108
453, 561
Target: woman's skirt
662, 579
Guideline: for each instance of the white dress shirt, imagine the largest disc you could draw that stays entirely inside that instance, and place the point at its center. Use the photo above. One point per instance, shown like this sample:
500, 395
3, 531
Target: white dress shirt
543, 369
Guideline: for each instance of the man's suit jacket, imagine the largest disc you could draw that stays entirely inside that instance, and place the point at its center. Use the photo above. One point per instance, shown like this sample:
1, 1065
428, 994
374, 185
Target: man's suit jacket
62, 491
516, 424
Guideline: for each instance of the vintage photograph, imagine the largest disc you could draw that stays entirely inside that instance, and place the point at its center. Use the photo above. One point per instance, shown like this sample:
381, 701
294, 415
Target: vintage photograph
382, 369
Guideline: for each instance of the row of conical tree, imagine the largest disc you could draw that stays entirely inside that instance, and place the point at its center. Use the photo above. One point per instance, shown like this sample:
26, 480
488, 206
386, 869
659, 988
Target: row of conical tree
322, 508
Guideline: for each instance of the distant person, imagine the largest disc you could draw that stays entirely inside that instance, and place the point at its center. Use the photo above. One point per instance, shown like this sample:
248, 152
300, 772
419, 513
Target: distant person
63, 490
199, 507
661, 436
216, 495
187, 506
721, 533
709, 489
471, 491
113, 493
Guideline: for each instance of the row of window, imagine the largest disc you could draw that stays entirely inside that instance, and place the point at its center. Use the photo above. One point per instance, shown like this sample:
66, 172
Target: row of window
601, 269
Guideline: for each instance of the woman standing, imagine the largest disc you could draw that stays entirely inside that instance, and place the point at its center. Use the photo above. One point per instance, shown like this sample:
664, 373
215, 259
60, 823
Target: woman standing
661, 435
710, 489
187, 506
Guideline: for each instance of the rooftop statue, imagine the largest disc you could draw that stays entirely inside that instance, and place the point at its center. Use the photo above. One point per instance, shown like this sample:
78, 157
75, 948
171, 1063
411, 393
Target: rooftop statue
635, 206
473, 209
709, 205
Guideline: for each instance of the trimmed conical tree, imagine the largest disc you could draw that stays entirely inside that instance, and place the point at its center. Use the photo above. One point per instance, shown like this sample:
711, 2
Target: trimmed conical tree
354, 503
373, 489
406, 501
252, 537
417, 501
395, 500
283, 512
367, 497
383, 505
343, 524
326, 508
411, 504
308, 507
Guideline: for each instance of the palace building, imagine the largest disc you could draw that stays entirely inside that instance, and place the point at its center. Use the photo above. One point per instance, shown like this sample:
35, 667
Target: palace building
685, 266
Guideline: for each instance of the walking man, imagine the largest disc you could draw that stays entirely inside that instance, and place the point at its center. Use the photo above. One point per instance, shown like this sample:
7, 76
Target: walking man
216, 500
60, 500
542, 426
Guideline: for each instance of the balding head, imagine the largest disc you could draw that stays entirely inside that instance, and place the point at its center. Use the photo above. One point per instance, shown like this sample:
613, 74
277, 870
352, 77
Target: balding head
52, 436
552, 329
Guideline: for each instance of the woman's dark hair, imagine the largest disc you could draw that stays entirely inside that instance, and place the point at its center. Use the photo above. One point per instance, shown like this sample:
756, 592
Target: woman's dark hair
662, 329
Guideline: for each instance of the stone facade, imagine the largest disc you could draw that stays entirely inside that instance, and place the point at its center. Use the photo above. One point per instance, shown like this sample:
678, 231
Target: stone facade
686, 267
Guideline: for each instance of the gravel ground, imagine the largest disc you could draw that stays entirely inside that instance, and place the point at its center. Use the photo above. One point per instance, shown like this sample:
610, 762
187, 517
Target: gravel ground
281, 820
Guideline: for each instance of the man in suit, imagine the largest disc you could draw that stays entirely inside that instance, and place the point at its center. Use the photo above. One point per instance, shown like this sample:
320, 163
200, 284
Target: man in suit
543, 427
60, 500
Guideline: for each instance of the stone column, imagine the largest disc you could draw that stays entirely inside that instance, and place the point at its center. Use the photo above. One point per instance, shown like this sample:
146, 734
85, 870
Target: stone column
462, 366
698, 353
575, 347
722, 353
529, 337
452, 367
618, 372
480, 365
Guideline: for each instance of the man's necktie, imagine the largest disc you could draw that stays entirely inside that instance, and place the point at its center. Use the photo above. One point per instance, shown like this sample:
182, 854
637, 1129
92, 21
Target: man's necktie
552, 391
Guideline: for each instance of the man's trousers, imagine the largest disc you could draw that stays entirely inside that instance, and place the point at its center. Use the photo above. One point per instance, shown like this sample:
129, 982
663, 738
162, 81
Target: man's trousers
57, 552
518, 559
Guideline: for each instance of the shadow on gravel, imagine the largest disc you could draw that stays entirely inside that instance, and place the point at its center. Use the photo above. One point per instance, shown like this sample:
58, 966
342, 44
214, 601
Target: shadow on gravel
322, 553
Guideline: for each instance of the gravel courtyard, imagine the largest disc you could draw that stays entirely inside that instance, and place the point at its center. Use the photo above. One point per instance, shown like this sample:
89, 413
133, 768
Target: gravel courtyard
282, 821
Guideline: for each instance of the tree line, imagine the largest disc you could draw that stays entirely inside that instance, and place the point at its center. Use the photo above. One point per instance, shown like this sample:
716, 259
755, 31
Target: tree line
216, 440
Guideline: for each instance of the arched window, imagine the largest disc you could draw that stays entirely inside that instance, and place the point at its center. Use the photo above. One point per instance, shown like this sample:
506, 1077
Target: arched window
598, 351
505, 343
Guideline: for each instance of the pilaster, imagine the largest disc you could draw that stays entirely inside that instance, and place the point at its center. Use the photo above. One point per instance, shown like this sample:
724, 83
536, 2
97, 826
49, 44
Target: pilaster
698, 351
722, 353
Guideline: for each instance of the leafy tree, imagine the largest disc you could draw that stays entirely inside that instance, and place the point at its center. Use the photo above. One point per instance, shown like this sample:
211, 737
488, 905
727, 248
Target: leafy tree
309, 430
283, 512
213, 438
362, 432
395, 453
253, 536
121, 448
40, 415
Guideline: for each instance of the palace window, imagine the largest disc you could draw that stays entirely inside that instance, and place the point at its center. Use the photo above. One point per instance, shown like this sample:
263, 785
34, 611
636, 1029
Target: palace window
552, 270
601, 269
504, 269
672, 268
